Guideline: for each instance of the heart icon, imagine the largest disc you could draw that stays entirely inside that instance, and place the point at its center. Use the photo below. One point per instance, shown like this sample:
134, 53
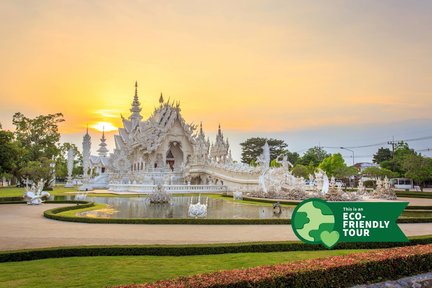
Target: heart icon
329, 239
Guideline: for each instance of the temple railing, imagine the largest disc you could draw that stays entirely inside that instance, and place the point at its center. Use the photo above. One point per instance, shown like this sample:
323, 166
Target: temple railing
144, 188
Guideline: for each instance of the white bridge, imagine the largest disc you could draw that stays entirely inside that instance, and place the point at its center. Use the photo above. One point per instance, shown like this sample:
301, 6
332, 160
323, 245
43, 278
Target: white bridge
146, 189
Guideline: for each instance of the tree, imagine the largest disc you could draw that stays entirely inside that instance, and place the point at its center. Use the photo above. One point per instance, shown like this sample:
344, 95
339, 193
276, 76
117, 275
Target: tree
314, 156
418, 168
333, 164
402, 151
252, 148
10, 152
300, 170
39, 137
383, 154
37, 170
61, 161
376, 172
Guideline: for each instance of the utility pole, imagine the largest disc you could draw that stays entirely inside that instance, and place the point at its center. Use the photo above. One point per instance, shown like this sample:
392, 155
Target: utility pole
393, 143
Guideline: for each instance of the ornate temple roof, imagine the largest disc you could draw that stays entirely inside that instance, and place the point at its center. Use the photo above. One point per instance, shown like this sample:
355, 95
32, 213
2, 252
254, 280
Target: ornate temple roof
149, 134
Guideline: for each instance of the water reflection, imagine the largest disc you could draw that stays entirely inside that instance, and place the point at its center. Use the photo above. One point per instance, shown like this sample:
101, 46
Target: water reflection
139, 207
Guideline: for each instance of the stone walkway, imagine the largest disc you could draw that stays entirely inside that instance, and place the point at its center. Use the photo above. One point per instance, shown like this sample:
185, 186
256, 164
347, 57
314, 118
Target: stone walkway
23, 226
418, 281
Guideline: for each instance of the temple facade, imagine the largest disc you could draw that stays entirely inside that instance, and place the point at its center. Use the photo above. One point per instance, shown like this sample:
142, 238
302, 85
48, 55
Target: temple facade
162, 149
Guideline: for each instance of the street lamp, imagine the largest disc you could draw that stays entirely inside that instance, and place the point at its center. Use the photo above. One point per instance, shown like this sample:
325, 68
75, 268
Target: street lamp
352, 151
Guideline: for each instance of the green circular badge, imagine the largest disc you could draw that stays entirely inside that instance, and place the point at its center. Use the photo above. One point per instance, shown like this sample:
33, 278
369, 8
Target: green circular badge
313, 222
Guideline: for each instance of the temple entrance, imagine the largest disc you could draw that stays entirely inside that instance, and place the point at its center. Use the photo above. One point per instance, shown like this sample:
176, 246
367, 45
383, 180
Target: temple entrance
174, 156
170, 160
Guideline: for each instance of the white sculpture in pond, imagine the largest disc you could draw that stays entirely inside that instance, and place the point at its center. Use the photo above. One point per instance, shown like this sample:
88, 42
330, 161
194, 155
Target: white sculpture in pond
159, 195
238, 195
35, 195
198, 209
81, 196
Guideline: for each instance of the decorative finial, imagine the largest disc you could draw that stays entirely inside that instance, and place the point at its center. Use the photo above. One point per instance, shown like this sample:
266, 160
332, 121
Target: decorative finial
136, 88
161, 100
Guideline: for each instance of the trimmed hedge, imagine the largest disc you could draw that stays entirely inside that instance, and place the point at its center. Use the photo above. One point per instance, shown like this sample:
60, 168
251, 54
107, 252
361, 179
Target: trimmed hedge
54, 214
427, 195
184, 250
337, 271
10, 199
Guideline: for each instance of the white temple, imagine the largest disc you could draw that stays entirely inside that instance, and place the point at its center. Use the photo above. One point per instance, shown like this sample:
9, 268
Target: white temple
163, 149
165, 153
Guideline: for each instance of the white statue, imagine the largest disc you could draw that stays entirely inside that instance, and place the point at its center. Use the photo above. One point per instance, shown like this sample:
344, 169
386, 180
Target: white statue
325, 186
238, 195
264, 162
284, 162
70, 166
159, 195
35, 195
198, 209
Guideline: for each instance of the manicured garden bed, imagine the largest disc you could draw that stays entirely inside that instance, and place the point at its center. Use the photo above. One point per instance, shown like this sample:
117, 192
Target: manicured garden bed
337, 271
105, 271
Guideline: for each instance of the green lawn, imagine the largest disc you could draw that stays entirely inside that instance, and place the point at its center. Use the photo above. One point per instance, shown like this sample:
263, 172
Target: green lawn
105, 271
18, 192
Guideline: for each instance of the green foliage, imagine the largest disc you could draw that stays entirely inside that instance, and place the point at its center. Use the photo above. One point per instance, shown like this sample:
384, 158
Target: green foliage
36, 170
383, 154
418, 168
300, 170
313, 157
274, 163
252, 148
379, 172
61, 161
396, 164
203, 249
369, 183
10, 153
39, 137
334, 165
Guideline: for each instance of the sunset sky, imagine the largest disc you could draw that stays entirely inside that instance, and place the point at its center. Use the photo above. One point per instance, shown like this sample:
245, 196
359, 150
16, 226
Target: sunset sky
334, 73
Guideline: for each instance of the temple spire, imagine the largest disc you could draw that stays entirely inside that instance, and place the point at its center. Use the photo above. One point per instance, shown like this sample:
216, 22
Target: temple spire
103, 151
161, 100
135, 117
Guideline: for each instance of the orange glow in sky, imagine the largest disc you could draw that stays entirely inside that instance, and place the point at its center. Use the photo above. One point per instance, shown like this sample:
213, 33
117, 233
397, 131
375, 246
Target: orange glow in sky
104, 126
268, 66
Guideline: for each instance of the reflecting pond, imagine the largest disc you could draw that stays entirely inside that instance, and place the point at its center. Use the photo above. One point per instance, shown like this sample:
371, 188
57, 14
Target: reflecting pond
139, 207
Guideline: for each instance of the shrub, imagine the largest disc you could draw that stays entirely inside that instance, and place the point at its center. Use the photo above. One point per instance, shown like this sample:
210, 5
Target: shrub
183, 250
337, 271
369, 183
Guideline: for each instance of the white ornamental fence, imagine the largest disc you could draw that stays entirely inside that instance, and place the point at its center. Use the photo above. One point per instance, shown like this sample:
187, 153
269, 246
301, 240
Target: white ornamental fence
143, 188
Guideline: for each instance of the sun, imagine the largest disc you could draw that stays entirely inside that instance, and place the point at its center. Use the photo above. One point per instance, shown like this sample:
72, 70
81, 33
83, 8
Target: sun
104, 126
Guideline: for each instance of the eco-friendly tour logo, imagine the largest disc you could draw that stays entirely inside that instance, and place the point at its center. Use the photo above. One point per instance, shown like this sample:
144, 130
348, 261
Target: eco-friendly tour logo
317, 221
